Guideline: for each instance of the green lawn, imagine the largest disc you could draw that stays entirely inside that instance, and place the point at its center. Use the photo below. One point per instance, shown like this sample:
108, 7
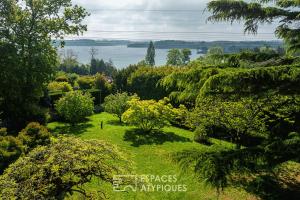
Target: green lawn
150, 155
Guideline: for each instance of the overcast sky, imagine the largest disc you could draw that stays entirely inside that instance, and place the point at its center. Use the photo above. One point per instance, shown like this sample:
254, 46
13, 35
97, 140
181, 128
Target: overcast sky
160, 19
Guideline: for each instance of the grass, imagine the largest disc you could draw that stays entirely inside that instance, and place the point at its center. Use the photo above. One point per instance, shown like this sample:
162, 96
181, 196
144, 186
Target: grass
150, 154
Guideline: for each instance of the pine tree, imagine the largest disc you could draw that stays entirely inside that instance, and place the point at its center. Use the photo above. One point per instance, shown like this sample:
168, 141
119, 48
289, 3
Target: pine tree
150, 57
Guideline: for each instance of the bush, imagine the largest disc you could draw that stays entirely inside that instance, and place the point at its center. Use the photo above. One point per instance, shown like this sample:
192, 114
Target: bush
75, 106
34, 135
149, 114
3, 132
62, 168
86, 82
62, 78
59, 86
10, 150
117, 104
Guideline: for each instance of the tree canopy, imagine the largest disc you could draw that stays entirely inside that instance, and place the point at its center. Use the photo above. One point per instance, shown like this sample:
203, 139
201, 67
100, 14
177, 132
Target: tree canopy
254, 13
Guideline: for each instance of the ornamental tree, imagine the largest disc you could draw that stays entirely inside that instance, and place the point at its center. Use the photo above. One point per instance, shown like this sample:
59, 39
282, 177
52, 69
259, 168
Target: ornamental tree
117, 104
62, 168
75, 106
149, 114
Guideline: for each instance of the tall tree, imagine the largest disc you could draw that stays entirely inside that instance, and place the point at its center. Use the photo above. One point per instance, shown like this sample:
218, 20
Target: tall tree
262, 11
186, 53
27, 56
150, 57
174, 57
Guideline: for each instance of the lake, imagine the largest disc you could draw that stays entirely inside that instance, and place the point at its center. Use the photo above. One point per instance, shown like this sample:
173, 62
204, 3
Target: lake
120, 55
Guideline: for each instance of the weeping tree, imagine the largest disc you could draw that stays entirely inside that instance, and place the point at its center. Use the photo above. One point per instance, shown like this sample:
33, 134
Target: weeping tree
261, 12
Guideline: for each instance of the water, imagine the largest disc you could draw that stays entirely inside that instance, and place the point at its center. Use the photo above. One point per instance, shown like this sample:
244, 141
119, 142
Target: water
120, 55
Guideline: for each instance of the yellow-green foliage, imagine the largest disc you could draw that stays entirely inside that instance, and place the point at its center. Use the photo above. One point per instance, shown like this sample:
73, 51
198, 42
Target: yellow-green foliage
86, 82
59, 86
33, 135
149, 114
59, 169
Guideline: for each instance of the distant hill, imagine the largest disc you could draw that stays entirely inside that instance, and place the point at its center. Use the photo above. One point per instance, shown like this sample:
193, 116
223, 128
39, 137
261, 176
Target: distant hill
229, 46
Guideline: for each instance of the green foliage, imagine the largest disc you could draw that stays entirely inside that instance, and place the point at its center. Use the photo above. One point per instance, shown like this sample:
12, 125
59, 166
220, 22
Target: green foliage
86, 82
145, 82
148, 114
241, 118
117, 104
62, 168
10, 150
99, 66
186, 53
261, 12
174, 57
75, 106
121, 77
150, 56
102, 84
27, 56
59, 86
34, 135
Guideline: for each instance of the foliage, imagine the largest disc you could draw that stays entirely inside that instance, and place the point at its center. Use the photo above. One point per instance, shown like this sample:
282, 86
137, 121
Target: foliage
150, 56
27, 56
121, 77
242, 118
99, 66
117, 104
148, 114
186, 53
59, 86
254, 13
145, 82
102, 84
62, 168
174, 57
34, 135
10, 150
86, 82
75, 106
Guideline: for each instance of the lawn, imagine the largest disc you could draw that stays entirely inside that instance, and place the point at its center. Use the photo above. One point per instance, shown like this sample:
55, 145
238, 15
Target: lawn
150, 155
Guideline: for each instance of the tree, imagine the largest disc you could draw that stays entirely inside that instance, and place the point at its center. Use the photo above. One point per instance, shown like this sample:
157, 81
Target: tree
150, 57
174, 57
27, 56
117, 104
213, 51
86, 82
148, 114
59, 86
75, 106
255, 13
61, 169
186, 53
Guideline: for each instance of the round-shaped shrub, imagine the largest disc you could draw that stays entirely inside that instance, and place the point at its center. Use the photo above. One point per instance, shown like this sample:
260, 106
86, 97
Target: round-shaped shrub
59, 86
75, 106
34, 135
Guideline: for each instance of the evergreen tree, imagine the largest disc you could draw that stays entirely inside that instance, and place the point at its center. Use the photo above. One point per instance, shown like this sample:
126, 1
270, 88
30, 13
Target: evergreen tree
254, 13
150, 57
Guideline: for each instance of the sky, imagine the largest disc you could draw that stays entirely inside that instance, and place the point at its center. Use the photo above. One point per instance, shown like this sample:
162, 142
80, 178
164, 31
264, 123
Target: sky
160, 20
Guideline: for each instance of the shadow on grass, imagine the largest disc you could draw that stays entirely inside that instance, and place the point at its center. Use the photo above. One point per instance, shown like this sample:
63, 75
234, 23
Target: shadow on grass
267, 187
138, 137
72, 130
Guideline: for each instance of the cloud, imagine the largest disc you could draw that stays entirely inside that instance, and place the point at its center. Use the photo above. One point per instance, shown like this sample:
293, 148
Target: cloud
160, 19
